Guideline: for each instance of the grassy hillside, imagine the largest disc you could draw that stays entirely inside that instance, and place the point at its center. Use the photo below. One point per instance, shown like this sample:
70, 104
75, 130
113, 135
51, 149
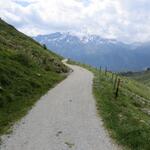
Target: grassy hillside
143, 76
27, 71
127, 117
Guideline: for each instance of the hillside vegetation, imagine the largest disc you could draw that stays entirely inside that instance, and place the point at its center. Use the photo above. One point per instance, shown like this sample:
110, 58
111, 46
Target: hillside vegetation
27, 71
126, 117
143, 76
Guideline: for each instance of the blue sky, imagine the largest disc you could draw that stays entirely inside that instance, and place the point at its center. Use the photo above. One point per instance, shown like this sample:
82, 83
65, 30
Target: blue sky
125, 20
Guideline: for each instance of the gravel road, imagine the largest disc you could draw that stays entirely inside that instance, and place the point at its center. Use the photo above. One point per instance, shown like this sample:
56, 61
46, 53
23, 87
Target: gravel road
63, 119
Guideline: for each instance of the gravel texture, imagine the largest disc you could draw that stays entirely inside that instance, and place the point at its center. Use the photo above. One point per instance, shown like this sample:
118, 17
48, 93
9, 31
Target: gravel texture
63, 119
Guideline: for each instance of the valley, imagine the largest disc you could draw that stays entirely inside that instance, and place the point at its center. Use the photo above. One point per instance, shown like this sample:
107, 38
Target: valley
96, 51
65, 115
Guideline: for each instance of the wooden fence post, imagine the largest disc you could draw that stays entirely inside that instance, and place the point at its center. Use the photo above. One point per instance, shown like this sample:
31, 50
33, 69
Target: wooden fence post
105, 71
112, 76
117, 90
99, 72
115, 81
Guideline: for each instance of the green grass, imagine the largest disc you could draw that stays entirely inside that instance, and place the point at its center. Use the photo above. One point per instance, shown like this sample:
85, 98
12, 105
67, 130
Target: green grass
125, 117
27, 71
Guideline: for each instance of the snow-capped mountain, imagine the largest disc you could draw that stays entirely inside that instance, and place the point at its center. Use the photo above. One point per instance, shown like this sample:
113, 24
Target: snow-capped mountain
68, 37
97, 51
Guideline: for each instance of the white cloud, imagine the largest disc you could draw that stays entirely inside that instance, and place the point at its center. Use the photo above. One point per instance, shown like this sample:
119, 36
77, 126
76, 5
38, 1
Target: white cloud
122, 19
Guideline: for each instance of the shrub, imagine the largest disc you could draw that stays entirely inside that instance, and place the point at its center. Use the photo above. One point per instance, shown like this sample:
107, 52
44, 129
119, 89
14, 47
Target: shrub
44, 46
24, 59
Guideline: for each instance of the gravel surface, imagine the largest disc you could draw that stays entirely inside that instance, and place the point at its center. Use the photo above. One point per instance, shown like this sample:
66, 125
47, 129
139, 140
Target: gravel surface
63, 119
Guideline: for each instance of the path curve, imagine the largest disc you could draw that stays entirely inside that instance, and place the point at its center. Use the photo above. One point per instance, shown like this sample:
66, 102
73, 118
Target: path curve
63, 119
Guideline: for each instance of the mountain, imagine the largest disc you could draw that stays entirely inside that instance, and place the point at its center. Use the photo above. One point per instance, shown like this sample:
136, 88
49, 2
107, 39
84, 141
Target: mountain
97, 51
27, 71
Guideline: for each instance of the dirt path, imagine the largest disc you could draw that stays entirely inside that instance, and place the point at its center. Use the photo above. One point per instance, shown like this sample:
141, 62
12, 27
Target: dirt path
64, 119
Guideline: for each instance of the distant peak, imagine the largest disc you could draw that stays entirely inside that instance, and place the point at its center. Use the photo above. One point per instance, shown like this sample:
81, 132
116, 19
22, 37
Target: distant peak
82, 37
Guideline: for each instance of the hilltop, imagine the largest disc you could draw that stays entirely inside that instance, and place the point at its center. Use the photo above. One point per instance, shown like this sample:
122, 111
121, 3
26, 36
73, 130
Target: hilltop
27, 71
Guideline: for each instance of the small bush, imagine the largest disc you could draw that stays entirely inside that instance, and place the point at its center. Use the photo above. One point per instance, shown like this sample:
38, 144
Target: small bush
24, 59
44, 46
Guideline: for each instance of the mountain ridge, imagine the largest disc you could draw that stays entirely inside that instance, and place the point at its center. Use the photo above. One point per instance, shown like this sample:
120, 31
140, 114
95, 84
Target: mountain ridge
97, 51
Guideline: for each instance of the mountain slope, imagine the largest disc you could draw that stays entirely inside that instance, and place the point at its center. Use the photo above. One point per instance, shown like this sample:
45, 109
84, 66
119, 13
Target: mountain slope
96, 51
27, 71
143, 76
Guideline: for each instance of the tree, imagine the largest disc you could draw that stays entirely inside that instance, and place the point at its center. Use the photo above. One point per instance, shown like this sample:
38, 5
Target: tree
148, 69
44, 46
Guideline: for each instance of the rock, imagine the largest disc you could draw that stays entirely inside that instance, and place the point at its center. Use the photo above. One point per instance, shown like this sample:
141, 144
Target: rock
38, 74
146, 111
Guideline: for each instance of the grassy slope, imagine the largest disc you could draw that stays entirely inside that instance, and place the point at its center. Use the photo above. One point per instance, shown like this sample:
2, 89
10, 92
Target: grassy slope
27, 71
126, 117
143, 76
